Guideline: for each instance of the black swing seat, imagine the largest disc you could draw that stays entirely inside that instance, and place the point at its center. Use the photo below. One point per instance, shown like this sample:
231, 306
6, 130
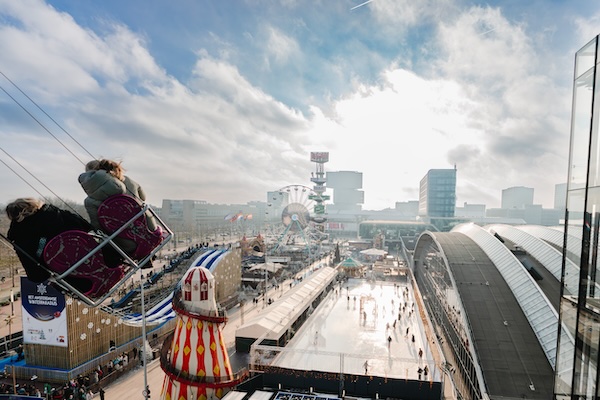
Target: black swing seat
93, 277
76, 258
127, 216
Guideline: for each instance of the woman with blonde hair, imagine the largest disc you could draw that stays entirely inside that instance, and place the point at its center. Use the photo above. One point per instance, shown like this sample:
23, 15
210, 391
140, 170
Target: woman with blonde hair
32, 225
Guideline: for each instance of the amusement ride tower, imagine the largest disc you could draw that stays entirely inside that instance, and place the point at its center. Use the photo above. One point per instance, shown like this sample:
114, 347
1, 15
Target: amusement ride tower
319, 179
195, 361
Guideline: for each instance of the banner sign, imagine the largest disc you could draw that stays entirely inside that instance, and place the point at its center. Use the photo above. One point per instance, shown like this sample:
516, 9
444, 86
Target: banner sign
319, 157
44, 314
335, 226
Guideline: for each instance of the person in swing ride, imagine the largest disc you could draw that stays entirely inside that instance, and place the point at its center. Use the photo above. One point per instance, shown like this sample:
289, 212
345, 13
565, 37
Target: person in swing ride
113, 199
35, 233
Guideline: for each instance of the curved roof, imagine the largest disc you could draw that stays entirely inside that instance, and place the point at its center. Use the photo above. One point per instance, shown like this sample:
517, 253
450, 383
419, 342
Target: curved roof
163, 311
539, 249
507, 356
542, 317
556, 238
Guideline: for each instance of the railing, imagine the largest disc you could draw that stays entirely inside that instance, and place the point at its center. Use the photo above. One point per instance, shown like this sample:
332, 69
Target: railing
59, 278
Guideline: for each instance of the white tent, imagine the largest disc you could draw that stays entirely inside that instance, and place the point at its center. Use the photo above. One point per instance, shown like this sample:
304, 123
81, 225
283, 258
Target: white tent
374, 252
269, 266
286, 310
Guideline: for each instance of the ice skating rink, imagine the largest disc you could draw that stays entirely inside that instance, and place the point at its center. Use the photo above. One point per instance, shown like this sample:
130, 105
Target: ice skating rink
349, 332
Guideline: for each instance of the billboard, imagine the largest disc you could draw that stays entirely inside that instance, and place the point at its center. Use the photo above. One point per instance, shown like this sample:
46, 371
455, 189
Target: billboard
44, 314
335, 226
319, 157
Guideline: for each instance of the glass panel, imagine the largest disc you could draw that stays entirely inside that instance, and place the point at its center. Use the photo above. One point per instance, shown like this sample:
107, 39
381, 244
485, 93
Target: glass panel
580, 130
594, 177
585, 58
564, 363
586, 356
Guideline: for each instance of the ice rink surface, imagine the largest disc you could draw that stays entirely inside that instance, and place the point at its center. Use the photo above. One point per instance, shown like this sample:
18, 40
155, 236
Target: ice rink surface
350, 331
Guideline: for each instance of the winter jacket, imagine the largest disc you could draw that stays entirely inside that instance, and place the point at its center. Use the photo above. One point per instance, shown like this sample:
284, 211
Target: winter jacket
134, 189
31, 235
99, 185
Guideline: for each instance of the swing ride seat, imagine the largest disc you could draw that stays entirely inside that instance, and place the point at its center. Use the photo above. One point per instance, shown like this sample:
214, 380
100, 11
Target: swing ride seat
68, 248
117, 211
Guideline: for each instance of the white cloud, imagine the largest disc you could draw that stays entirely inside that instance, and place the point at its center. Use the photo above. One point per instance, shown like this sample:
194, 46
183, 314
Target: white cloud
587, 28
280, 47
403, 14
403, 128
477, 92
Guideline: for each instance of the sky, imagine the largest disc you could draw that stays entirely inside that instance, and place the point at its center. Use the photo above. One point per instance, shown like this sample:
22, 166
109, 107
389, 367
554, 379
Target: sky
223, 101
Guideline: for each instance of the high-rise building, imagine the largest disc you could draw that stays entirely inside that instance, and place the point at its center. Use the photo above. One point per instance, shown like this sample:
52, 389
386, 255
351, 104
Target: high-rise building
577, 355
560, 196
437, 193
407, 209
346, 186
517, 197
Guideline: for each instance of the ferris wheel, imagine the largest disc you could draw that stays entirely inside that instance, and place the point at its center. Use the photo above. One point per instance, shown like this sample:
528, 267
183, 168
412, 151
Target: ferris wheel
296, 213
298, 221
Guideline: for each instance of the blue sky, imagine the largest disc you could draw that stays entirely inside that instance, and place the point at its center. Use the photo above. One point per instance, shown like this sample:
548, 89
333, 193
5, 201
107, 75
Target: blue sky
224, 100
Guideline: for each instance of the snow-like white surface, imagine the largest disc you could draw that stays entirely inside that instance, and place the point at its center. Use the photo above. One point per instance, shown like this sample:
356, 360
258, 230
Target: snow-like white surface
340, 335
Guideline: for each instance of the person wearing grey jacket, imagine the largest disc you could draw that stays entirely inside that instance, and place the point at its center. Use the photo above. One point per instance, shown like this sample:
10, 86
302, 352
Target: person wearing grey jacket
105, 178
99, 185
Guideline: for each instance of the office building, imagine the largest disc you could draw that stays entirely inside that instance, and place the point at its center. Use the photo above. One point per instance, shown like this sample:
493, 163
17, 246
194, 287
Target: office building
347, 196
407, 209
437, 197
437, 193
560, 196
471, 211
517, 197
198, 218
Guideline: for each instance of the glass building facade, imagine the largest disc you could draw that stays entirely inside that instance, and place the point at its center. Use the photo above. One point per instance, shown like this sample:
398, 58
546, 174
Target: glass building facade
437, 193
577, 374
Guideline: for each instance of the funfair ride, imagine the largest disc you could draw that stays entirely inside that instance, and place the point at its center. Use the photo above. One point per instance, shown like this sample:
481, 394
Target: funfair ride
298, 223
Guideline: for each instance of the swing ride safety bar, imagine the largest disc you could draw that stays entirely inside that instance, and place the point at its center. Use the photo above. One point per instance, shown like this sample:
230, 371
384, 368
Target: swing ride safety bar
108, 240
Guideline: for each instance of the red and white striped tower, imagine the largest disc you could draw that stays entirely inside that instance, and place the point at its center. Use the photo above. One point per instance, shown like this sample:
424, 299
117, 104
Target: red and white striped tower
195, 361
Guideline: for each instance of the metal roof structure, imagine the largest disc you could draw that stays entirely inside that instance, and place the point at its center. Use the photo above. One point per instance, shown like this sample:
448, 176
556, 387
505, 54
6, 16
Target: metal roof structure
503, 343
540, 313
285, 311
544, 253
556, 238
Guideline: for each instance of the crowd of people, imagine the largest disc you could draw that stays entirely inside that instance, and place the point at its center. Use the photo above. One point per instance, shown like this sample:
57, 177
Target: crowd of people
84, 387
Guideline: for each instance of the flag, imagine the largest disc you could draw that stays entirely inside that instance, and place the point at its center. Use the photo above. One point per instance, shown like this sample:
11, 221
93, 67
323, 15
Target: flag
229, 217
